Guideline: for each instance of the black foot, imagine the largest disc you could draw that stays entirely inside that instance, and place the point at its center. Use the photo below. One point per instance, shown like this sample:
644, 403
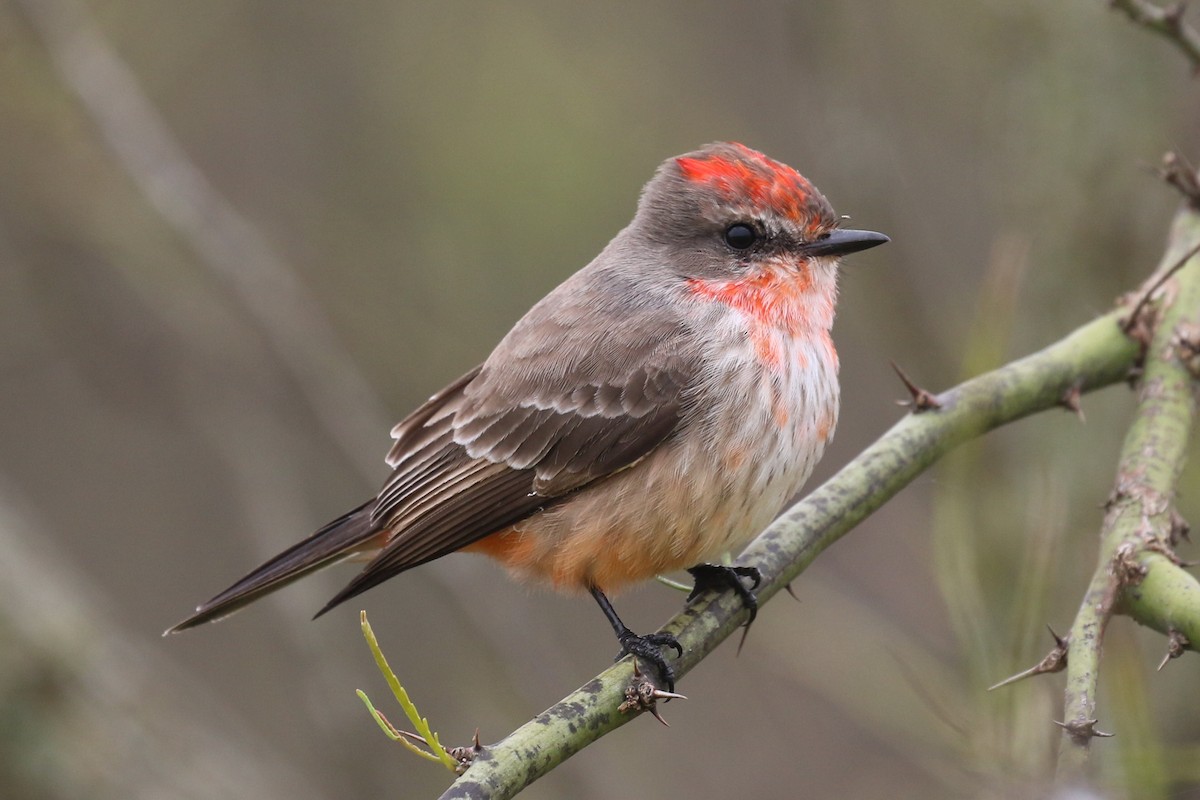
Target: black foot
720, 577
648, 650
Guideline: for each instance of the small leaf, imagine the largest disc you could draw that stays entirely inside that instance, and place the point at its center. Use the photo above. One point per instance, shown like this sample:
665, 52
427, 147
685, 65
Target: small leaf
423, 734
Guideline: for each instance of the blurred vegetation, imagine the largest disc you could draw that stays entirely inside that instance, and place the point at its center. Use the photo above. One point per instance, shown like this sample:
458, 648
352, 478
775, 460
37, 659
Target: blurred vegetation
427, 171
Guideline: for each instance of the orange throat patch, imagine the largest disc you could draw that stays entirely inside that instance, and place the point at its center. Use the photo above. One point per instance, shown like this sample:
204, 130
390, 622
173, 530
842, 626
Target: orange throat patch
779, 303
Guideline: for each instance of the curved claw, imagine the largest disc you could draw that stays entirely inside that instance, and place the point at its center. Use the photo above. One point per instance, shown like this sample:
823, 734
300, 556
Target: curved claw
648, 648
664, 640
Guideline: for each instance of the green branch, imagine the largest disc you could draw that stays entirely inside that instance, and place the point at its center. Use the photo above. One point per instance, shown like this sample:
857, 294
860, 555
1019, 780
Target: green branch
1137, 573
1096, 355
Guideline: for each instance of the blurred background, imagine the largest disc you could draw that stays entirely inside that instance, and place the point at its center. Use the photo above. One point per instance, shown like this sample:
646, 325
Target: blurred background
238, 240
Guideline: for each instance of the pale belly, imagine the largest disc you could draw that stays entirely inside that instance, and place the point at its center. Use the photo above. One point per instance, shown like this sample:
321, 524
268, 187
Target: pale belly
699, 495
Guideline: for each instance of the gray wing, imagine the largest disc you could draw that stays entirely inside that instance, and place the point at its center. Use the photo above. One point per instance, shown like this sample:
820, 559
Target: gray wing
559, 404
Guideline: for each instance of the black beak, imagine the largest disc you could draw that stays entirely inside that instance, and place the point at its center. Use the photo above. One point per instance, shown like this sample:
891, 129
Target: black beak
840, 243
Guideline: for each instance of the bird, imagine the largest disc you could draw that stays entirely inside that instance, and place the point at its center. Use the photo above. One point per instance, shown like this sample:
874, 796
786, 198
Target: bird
652, 413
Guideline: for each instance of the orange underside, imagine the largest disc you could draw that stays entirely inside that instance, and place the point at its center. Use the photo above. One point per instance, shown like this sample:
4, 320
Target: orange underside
592, 557
505, 546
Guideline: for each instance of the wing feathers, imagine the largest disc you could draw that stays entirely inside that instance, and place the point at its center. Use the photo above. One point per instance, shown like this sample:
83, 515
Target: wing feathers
536, 443
592, 379
429, 421
495, 502
556, 406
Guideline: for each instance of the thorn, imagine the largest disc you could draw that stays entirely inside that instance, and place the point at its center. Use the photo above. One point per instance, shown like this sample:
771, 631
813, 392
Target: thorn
1058, 640
791, 591
642, 695
1083, 728
742, 641
1020, 676
475, 742
1054, 661
921, 399
1177, 643
1070, 400
1175, 169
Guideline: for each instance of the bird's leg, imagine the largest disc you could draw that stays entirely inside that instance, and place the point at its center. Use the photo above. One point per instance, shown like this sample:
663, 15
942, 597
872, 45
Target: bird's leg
720, 577
648, 648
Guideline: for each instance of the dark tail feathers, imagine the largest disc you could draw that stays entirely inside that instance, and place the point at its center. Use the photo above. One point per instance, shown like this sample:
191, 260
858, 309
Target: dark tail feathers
337, 540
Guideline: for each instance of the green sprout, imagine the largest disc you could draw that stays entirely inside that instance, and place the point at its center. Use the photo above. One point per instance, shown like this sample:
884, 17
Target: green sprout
413, 741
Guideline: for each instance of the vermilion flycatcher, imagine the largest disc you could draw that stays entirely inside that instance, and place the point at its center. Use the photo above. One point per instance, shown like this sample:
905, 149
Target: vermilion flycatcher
653, 412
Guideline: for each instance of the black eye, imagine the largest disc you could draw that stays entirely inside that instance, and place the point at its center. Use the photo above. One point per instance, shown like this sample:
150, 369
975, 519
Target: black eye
740, 236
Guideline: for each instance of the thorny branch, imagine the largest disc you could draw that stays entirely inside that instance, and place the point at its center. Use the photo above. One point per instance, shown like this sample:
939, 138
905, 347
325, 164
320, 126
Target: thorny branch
1177, 172
1138, 573
1166, 21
